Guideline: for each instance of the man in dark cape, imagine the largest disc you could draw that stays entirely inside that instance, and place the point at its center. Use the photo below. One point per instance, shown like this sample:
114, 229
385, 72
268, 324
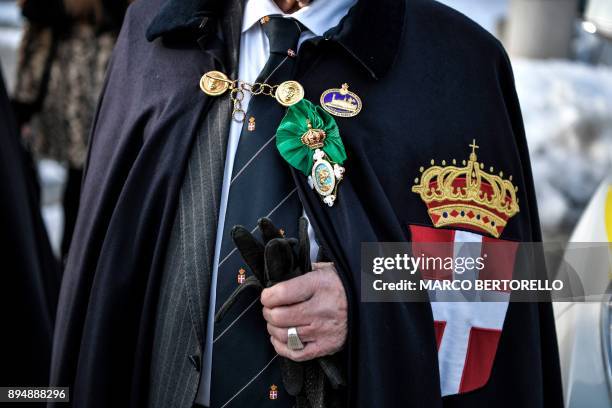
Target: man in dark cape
430, 80
30, 272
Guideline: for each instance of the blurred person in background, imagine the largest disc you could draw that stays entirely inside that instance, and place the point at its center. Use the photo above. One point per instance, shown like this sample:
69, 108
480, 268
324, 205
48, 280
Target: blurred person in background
62, 63
30, 274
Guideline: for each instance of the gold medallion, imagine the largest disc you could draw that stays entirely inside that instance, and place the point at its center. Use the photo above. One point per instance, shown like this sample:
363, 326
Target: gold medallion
214, 83
341, 102
289, 93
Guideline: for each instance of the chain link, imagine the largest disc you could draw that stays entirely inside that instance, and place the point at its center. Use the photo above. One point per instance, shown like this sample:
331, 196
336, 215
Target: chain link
237, 96
237, 90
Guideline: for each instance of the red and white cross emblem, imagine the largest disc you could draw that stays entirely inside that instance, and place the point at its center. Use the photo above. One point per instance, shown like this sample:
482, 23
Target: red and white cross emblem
241, 276
467, 332
273, 392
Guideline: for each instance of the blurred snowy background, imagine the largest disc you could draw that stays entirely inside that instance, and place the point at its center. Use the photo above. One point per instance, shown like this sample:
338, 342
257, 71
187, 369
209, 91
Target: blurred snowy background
10, 34
565, 89
566, 103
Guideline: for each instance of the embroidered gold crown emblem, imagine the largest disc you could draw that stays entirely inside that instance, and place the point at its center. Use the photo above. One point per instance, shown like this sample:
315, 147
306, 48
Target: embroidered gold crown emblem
467, 196
313, 138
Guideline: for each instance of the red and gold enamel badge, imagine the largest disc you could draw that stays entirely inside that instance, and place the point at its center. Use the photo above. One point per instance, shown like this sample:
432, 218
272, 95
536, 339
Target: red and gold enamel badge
273, 392
241, 276
467, 196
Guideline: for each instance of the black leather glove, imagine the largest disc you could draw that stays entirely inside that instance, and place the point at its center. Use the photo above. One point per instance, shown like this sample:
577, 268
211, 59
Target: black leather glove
252, 251
274, 259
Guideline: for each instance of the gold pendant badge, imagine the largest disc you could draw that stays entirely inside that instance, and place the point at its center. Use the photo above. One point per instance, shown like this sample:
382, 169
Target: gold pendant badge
467, 196
214, 83
289, 93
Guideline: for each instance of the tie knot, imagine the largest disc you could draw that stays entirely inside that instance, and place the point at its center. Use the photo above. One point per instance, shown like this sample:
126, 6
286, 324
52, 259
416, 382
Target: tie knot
283, 33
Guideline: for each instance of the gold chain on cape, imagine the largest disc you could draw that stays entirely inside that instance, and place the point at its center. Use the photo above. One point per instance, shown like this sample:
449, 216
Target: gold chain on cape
239, 87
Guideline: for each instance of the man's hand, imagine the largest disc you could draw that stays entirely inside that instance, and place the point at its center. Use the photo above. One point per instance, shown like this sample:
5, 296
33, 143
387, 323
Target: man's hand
314, 303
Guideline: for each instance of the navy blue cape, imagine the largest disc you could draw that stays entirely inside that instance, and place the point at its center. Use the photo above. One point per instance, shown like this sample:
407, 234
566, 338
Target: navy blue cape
431, 81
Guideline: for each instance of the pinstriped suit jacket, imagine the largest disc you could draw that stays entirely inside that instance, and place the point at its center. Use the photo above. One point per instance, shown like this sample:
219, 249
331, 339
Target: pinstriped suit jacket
184, 292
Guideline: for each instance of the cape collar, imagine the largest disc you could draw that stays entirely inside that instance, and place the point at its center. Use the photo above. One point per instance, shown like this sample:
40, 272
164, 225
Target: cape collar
371, 32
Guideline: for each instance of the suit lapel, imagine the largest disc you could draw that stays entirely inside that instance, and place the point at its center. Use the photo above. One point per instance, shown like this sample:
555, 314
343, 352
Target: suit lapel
232, 28
200, 195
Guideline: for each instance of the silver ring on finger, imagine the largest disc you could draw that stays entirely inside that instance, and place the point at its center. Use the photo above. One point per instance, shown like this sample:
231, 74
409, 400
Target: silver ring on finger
293, 340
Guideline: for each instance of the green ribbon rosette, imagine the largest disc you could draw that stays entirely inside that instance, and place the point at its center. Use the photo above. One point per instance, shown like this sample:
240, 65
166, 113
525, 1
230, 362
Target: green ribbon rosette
295, 124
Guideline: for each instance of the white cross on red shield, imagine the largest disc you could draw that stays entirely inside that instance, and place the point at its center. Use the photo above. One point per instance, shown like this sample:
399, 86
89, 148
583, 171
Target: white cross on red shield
467, 332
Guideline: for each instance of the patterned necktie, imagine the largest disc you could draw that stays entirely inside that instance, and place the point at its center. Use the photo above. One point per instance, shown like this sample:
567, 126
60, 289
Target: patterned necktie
245, 369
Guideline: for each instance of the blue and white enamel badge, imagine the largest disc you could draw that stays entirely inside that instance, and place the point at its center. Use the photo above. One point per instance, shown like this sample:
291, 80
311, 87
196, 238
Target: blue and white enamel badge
341, 102
325, 177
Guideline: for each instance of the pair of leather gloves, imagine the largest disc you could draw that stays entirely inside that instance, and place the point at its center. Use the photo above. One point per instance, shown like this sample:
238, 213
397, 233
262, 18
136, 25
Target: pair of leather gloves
272, 260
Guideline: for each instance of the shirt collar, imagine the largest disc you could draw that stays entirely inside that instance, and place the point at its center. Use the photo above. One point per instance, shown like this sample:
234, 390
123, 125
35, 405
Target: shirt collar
371, 32
182, 18
318, 17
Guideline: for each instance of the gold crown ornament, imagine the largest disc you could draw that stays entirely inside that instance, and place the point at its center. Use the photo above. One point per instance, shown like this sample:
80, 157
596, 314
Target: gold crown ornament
467, 196
313, 138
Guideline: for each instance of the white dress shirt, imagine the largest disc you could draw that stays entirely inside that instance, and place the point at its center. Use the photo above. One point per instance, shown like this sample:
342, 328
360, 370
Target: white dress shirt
318, 17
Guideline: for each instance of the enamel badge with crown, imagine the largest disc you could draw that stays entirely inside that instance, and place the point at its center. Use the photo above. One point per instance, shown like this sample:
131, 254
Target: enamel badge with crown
341, 102
273, 393
308, 138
